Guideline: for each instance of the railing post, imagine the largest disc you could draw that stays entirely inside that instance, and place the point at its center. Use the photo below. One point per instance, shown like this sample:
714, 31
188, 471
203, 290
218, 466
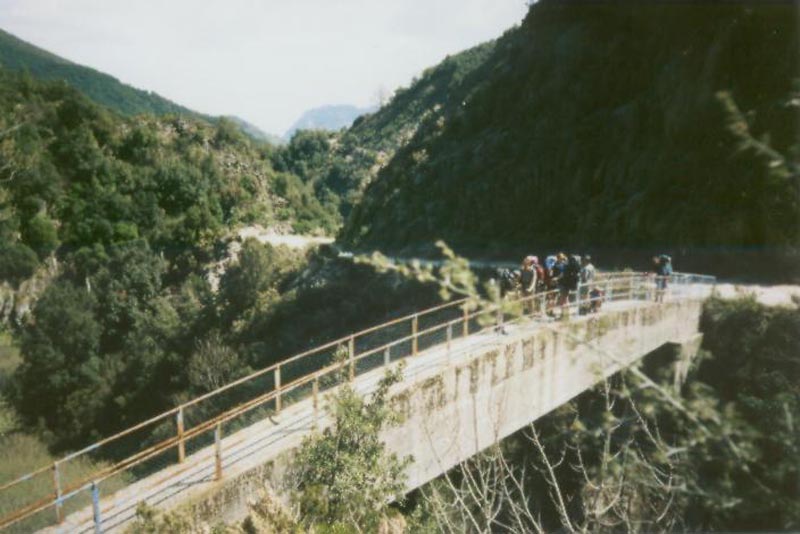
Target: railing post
466, 320
449, 335
278, 403
387, 356
351, 351
414, 330
499, 315
315, 400
578, 298
98, 520
181, 443
218, 452
57, 488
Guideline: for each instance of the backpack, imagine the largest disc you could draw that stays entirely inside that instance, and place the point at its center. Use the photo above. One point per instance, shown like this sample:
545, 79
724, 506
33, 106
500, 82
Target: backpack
573, 266
539, 273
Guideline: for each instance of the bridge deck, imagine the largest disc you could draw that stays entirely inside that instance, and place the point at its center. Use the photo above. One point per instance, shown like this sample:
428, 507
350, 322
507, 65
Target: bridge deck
265, 440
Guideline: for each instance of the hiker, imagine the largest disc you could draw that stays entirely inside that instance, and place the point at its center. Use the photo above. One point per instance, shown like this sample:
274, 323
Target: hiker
568, 281
528, 279
508, 281
541, 274
587, 270
662, 267
550, 282
588, 293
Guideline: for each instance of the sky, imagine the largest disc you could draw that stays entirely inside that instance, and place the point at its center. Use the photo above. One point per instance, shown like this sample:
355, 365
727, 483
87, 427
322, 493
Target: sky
266, 61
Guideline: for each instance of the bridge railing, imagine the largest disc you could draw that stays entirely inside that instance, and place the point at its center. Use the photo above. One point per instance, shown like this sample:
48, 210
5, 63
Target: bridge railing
166, 440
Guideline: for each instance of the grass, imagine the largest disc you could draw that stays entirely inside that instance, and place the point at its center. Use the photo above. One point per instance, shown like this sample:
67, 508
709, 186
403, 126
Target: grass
22, 453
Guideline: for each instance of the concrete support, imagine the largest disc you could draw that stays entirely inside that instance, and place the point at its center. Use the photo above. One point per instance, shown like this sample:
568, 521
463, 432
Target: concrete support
686, 352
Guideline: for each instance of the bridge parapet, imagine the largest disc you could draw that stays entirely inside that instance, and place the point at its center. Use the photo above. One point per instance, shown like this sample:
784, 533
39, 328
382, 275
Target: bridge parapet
193, 435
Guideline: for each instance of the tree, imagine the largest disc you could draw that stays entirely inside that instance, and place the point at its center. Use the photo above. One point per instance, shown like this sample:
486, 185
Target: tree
62, 381
17, 262
258, 270
40, 234
213, 364
344, 477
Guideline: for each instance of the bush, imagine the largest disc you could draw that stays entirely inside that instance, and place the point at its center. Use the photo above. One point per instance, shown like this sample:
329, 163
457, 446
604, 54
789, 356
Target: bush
17, 263
345, 476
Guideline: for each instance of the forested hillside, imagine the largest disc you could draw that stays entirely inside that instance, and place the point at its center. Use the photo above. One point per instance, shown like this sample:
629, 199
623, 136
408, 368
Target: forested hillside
17, 55
76, 175
132, 212
608, 125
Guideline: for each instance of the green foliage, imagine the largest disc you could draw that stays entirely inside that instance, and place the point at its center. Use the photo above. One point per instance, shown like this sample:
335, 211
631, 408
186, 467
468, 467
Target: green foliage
255, 278
134, 210
753, 370
330, 297
77, 174
344, 476
40, 234
150, 521
17, 262
609, 125
62, 377
213, 364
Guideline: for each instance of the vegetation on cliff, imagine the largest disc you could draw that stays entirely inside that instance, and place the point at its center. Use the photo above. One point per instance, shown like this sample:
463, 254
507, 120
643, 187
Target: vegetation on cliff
621, 124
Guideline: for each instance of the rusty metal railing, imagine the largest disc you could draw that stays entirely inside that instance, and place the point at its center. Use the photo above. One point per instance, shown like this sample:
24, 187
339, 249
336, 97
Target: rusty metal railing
198, 423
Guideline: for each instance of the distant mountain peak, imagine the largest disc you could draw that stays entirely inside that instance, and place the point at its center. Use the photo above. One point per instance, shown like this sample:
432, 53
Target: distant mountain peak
333, 117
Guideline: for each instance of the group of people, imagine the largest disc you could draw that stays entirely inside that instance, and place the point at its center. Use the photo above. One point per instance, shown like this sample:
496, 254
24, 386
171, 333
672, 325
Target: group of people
568, 274
560, 271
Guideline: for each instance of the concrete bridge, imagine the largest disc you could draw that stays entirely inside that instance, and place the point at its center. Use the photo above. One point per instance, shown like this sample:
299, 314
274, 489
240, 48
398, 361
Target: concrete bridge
466, 385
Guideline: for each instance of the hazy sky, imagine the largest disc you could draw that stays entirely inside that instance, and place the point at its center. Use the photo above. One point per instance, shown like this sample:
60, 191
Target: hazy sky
266, 61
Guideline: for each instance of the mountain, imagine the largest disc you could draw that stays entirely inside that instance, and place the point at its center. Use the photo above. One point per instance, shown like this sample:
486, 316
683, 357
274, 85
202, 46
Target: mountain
331, 118
619, 124
18, 55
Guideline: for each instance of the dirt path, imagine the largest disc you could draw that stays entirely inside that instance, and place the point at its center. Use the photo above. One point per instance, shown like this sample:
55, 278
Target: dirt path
289, 240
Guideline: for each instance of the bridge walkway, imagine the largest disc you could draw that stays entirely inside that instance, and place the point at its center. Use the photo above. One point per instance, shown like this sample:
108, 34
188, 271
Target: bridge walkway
266, 440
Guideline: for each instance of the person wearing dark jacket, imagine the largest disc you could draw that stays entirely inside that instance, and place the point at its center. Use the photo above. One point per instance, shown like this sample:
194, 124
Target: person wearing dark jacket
662, 267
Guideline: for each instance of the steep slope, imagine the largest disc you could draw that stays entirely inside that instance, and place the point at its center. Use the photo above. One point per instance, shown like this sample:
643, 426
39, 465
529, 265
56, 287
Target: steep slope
612, 125
18, 55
